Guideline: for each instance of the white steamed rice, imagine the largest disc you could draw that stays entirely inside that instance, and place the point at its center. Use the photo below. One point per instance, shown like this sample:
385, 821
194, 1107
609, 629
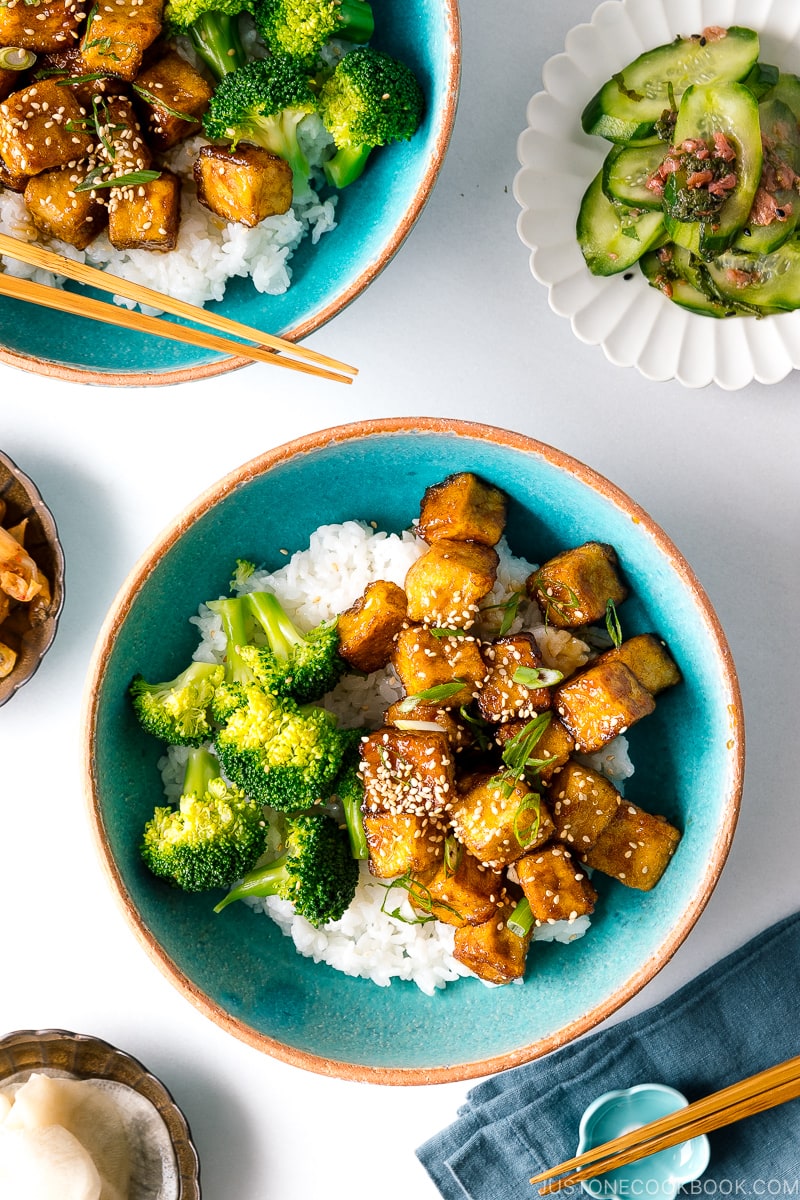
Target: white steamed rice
317, 584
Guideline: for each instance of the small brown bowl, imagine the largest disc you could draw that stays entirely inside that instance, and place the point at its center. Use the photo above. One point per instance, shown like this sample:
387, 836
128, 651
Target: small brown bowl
60, 1052
22, 499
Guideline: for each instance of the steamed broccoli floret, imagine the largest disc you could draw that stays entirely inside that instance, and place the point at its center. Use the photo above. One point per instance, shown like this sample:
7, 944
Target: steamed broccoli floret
369, 100
212, 838
213, 26
177, 711
303, 666
316, 873
281, 754
302, 27
349, 789
264, 102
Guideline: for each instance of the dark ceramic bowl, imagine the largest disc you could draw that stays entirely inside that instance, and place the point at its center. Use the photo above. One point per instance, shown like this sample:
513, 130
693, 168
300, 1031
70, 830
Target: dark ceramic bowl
689, 754
82, 1057
22, 500
375, 214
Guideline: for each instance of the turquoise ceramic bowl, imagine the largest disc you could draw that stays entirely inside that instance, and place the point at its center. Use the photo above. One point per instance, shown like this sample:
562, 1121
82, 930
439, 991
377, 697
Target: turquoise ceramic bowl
245, 975
374, 214
659, 1175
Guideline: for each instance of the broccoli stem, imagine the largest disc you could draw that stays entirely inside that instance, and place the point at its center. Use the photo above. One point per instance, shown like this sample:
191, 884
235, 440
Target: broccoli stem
282, 634
357, 20
351, 807
346, 165
201, 768
234, 613
217, 40
261, 881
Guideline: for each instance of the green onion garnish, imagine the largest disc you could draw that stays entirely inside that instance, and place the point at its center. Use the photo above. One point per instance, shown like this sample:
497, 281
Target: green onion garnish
509, 608
157, 102
92, 181
434, 695
517, 753
446, 631
612, 623
521, 919
536, 677
530, 803
14, 58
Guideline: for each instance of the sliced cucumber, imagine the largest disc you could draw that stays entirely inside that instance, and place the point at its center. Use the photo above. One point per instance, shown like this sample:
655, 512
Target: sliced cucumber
762, 79
770, 282
787, 90
629, 104
681, 290
627, 170
731, 109
611, 236
780, 136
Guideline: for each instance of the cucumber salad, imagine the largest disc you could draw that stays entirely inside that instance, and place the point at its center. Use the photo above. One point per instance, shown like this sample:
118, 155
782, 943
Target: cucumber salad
701, 186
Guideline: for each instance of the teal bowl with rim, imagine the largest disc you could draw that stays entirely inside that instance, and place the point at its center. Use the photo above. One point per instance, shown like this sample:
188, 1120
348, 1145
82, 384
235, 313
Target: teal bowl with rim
243, 973
375, 214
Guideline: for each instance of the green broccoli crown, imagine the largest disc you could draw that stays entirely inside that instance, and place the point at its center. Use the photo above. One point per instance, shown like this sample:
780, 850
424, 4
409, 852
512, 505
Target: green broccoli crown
301, 666
212, 838
371, 99
281, 754
179, 15
302, 27
316, 874
178, 711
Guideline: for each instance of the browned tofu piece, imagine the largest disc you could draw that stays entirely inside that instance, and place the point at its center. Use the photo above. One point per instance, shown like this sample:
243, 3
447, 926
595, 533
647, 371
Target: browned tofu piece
500, 698
146, 216
649, 659
574, 588
401, 842
555, 886
465, 508
12, 180
446, 583
48, 25
555, 744
368, 628
635, 847
245, 185
41, 127
498, 822
117, 35
600, 703
61, 212
169, 87
491, 950
407, 771
423, 661
582, 804
461, 893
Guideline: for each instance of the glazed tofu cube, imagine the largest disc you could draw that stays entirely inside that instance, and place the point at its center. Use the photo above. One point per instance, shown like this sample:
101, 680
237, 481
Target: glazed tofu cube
582, 803
9, 82
123, 132
407, 771
464, 508
458, 733
48, 25
423, 661
498, 822
13, 181
245, 185
601, 703
555, 744
146, 216
634, 848
367, 630
117, 35
446, 583
41, 127
503, 699
555, 886
61, 212
402, 842
461, 893
574, 588
169, 87
491, 950
649, 659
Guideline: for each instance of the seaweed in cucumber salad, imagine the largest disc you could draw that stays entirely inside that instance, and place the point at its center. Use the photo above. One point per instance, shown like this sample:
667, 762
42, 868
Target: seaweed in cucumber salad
701, 186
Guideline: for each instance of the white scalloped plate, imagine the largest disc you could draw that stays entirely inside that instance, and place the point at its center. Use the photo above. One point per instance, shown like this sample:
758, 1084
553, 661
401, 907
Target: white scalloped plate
634, 324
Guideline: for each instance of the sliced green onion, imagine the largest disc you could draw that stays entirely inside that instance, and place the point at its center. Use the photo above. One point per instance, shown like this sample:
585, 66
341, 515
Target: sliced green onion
521, 919
70, 79
442, 691
482, 730
530, 803
420, 895
612, 623
509, 608
14, 58
536, 677
157, 102
446, 631
418, 726
517, 753
453, 854
91, 183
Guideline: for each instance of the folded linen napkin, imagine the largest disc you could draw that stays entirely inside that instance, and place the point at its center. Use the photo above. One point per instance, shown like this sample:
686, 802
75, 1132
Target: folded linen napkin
738, 1017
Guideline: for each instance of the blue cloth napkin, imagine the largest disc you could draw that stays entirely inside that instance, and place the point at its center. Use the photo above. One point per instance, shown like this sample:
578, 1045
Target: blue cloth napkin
738, 1017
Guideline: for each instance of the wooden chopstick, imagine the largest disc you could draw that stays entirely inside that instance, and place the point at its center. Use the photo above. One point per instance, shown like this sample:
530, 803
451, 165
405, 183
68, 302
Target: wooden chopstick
38, 256
110, 314
755, 1094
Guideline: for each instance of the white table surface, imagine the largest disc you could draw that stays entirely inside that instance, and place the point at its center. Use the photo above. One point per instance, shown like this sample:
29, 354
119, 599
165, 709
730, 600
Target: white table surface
457, 327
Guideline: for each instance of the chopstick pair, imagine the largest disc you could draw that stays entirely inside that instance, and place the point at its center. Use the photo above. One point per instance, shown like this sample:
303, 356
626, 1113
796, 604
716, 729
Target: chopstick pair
753, 1095
270, 349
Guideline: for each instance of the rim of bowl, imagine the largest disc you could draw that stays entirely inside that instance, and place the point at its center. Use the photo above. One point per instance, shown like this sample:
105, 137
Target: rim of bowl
73, 374
38, 506
120, 1066
358, 431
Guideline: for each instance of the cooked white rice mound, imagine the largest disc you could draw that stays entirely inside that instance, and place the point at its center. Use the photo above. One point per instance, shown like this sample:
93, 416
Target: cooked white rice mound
315, 585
